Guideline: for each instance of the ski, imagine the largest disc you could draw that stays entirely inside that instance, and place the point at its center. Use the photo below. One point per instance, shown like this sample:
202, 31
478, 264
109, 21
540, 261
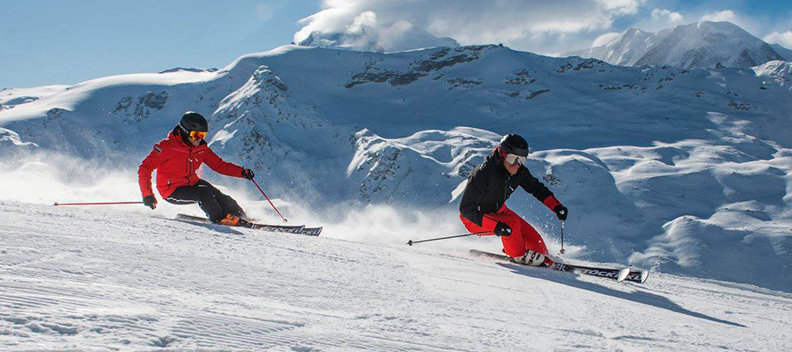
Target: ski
295, 229
632, 275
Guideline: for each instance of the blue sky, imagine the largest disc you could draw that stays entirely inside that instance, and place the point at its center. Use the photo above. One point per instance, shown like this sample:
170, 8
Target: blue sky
66, 42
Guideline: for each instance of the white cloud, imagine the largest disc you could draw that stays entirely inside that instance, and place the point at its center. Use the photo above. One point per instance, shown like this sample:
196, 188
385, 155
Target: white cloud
544, 27
667, 15
720, 16
659, 19
730, 16
605, 39
365, 19
784, 39
365, 32
536, 25
733, 17
622, 7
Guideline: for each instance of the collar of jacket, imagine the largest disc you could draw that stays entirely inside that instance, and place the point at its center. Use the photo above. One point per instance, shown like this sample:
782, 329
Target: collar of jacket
496, 159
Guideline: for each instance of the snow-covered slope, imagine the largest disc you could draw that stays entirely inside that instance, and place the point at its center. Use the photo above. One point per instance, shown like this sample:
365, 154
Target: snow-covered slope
784, 52
11, 97
684, 171
698, 45
625, 49
109, 280
706, 44
778, 71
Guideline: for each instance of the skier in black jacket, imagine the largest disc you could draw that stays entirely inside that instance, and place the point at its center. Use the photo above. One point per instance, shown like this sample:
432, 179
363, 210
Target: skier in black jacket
483, 206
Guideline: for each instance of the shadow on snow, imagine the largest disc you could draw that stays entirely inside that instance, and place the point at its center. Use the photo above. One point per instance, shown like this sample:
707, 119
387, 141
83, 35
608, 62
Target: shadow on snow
637, 296
214, 227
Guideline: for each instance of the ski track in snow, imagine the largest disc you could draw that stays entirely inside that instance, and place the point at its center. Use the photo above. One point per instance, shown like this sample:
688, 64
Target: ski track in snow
77, 279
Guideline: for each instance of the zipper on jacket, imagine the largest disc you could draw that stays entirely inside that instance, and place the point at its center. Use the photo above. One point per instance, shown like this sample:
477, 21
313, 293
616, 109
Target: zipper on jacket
189, 165
506, 189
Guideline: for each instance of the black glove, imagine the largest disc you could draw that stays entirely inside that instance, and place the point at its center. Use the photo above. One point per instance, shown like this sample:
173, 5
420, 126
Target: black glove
150, 201
561, 211
248, 174
502, 229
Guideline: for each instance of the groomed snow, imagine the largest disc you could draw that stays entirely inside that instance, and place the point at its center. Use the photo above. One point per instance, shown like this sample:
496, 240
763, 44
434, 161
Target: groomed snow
77, 279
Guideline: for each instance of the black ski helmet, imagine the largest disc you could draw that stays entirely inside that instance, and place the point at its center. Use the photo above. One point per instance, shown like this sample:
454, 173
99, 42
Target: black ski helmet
513, 144
193, 121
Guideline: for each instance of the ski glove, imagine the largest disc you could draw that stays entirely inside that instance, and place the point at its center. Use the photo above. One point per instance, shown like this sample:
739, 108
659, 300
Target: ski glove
248, 174
150, 201
561, 211
502, 229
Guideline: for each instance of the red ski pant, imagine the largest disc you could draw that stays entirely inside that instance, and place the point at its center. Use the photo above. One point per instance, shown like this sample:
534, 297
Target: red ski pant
523, 237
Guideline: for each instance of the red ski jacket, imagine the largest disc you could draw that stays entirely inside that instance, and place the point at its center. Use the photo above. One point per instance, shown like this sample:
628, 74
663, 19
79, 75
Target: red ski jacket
176, 161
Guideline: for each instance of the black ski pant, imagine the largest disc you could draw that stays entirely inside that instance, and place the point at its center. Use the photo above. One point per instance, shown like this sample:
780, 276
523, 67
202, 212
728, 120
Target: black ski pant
214, 203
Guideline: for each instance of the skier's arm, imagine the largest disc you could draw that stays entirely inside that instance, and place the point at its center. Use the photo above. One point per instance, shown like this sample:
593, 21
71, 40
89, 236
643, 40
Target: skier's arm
536, 188
222, 166
469, 207
149, 164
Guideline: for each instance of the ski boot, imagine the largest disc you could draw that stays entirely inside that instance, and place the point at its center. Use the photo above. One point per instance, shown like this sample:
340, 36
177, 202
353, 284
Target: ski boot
230, 220
530, 258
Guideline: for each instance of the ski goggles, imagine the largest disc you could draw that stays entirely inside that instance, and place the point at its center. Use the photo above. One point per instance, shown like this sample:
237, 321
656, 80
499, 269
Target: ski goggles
515, 159
197, 135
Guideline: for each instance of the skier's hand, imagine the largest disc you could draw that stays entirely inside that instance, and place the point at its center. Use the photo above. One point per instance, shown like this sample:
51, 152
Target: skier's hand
150, 201
561, 211
248, 174
502, 229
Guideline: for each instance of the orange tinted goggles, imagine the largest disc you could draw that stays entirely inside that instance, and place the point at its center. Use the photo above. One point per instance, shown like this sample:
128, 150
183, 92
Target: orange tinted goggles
197, 135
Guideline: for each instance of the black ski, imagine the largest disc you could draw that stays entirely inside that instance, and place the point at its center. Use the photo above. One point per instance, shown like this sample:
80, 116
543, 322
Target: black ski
295, 229
632, 275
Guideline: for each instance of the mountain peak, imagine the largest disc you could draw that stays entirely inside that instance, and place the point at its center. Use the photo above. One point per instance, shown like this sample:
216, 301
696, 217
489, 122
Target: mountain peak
624, 49
721, 25
635, 31
702, 44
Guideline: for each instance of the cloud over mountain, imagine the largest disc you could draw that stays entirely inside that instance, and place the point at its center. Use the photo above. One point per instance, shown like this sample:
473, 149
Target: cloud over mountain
390, 26
783, 39
366, 33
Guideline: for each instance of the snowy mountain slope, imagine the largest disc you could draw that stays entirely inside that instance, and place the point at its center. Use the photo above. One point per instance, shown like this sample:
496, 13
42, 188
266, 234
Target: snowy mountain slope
784, 52
663, 167
625, 49
110, 279
699, 45
778, 71
706, 44
11, 97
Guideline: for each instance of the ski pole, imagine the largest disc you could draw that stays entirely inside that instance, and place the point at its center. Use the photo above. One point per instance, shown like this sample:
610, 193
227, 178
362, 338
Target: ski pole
97, 203
411, 242
265, 196
562, 236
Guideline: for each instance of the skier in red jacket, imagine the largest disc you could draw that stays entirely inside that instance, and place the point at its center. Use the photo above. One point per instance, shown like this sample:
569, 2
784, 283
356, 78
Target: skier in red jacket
483, 206
176, 158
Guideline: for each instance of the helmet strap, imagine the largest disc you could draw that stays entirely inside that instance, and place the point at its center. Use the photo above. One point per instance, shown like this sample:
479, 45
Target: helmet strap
184, 135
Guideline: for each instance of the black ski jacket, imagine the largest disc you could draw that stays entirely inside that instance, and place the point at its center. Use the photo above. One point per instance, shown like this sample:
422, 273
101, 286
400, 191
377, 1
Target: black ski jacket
490, 185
